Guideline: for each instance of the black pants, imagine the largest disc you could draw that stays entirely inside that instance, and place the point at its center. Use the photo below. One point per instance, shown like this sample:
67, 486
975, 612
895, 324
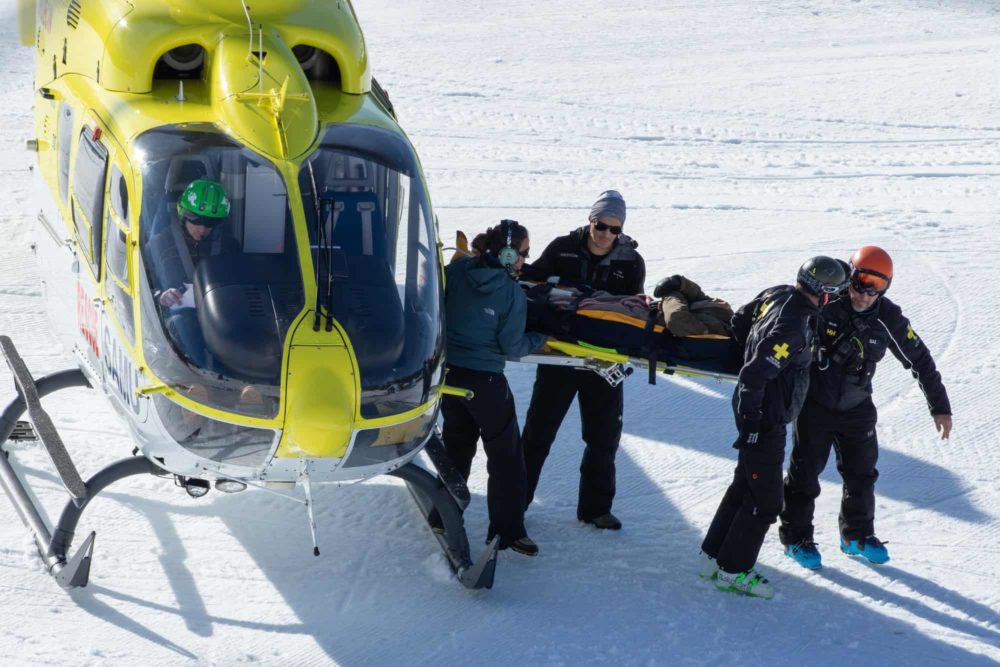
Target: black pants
751, 503
601, 416
489, 414
852, 436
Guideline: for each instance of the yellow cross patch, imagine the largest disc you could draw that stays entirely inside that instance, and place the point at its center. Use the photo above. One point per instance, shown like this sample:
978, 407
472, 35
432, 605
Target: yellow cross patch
781, 351
764, 307
910, 333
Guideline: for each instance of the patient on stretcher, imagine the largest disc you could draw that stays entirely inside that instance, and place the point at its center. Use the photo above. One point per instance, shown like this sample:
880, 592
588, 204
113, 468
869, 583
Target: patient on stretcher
680, 324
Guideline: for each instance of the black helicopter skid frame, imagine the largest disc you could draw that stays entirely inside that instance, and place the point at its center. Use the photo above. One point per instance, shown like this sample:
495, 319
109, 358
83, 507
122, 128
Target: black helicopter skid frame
449, 496
53, 546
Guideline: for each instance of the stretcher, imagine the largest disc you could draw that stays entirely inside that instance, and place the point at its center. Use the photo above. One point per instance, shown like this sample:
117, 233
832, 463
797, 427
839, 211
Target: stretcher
614, 366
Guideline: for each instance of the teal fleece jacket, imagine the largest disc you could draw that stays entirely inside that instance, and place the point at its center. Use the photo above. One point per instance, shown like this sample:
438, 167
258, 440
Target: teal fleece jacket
485, 316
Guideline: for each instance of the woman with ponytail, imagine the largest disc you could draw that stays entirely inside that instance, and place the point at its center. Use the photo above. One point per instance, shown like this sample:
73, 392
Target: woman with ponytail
485, 315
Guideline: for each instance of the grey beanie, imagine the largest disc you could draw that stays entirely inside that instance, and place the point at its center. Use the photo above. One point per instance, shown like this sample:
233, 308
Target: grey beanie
609, 203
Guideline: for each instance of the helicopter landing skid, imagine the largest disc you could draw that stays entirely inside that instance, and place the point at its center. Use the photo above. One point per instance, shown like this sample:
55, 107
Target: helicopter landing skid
445, 494
73, 572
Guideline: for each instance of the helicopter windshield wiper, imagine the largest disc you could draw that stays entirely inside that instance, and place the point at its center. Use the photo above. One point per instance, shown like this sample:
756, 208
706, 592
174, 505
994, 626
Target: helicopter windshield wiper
326, 254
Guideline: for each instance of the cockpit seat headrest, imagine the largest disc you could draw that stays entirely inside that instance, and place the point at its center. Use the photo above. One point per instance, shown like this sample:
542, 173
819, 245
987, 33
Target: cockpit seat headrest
360, 228
183, 170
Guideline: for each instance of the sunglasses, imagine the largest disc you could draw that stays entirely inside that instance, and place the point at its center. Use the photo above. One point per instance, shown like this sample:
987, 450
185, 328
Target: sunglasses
524, 253
200, 221
604, 227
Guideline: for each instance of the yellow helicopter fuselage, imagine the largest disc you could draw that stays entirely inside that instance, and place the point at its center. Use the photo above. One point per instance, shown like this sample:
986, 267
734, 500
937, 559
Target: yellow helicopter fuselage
310, 339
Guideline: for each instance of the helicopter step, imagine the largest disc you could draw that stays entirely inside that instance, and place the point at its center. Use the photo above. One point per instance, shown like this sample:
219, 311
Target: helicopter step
444, 493
72, 572
23, 432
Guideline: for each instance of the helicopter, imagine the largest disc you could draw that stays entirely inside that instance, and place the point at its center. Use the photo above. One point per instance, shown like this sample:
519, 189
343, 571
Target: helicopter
239, 250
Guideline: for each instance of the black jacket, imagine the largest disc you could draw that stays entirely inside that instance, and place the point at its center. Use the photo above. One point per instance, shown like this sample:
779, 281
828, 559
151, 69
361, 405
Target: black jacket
853, 343
776, 332
622, 271
174, 254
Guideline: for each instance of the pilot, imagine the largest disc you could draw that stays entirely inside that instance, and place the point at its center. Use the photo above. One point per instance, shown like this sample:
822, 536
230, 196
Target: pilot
175, 252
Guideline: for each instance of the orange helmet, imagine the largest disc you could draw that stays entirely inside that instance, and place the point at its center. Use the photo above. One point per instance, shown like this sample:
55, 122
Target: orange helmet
871, 270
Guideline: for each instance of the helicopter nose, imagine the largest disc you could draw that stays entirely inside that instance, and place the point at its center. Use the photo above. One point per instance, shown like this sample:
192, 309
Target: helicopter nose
320, 402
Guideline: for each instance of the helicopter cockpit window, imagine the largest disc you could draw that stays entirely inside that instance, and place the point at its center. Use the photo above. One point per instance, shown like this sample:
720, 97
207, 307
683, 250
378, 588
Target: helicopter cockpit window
373, 251
219, 277
118, 193
89, 173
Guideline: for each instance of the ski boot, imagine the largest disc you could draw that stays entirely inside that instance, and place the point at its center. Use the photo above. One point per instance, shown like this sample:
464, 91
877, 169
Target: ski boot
805, 554
707, 567
524, 546
750, 583
870, 548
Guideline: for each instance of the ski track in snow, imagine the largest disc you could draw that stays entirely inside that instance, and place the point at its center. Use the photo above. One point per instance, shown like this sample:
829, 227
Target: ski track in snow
745, 138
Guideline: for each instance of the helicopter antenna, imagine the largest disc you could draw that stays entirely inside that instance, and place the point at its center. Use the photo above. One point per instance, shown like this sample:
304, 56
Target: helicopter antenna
246, 10
309, 505
180, 93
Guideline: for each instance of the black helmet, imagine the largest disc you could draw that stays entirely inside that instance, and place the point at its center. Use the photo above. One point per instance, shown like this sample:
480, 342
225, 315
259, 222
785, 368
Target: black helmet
822, 275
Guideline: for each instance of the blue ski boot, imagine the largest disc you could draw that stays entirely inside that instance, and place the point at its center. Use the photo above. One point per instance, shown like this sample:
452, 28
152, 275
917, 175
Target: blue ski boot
871, 548
805, 554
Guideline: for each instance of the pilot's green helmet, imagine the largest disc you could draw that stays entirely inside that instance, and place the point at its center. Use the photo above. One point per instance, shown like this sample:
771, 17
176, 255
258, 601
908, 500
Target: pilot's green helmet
204, 199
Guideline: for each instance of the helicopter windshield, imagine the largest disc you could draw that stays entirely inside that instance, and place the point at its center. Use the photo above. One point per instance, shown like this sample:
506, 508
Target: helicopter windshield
221, 279
376, 261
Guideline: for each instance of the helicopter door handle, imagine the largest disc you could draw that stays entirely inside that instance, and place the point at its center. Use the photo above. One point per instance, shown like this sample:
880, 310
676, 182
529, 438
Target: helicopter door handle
448, 390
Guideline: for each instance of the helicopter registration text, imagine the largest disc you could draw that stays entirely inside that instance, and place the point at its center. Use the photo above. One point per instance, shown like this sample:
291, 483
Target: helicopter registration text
121, 377
86, 316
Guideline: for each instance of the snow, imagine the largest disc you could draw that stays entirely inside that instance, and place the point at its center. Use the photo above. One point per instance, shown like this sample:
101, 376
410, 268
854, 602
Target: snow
745, 137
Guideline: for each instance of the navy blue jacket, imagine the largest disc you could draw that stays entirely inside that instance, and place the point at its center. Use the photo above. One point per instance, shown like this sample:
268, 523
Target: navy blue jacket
855, 342
485, 316
776, 332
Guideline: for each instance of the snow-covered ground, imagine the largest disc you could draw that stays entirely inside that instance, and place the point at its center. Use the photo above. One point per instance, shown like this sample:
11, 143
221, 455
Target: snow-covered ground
745, 137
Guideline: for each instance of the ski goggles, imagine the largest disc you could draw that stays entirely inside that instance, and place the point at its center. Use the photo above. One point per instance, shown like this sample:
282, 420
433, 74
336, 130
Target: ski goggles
823, 288
870, 283
819, 288
604, 227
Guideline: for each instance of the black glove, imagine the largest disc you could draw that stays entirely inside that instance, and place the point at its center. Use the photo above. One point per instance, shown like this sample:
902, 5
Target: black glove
749, 432
667, 285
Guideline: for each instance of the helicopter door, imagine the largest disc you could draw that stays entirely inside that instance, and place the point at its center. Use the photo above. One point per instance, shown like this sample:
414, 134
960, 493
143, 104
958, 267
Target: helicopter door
88, 177
121, 375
